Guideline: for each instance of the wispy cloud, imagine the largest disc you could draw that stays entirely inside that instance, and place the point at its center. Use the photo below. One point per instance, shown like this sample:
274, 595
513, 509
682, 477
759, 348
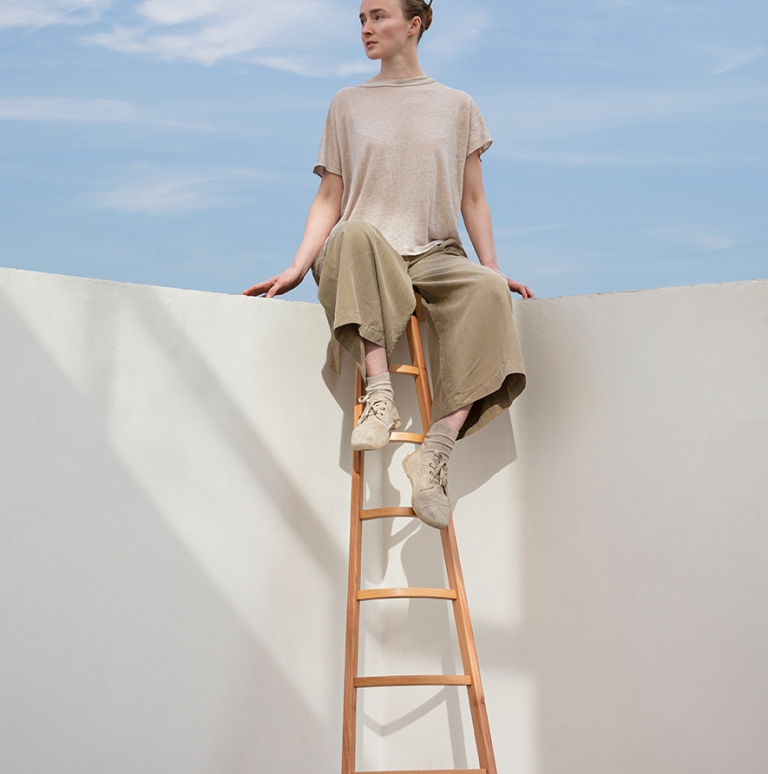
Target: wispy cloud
644, 7
629, 157
41, 13
304, 65
696, 237
306, 37
58, 109
515, 232
453, 31
529, 115
733, 58
100, 111
563, 157
619, 4
154, 191
207, 31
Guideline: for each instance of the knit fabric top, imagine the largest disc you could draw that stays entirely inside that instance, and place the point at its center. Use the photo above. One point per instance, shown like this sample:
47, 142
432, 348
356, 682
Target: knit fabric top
400, 148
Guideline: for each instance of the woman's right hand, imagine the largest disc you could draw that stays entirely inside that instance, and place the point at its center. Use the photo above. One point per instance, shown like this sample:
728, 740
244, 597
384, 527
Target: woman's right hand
276, 286
323, 216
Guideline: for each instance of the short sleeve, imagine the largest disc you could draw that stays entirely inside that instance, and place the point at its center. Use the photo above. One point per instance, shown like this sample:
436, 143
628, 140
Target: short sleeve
479, 136
329, 155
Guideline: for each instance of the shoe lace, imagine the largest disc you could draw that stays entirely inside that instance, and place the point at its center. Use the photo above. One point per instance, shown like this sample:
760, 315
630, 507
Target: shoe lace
438, 470
374, 404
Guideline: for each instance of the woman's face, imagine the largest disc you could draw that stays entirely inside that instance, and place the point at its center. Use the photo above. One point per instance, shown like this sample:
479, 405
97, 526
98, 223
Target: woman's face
385, 30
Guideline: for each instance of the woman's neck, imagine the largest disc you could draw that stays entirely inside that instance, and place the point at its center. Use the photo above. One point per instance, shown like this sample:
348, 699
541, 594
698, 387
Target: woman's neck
404, 64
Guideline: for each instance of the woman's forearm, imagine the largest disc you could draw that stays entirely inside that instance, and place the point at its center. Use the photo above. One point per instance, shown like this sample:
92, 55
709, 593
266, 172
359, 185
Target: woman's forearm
477, 214
323, 215
477, 219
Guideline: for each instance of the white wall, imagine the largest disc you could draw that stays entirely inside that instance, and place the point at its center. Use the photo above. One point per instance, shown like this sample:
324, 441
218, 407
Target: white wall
174, 492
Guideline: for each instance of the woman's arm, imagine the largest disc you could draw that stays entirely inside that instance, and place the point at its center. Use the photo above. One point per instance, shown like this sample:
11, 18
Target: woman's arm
477, 219
323, 215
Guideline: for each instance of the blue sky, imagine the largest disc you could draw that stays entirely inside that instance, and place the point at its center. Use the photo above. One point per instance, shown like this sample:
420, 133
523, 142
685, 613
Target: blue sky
171, 142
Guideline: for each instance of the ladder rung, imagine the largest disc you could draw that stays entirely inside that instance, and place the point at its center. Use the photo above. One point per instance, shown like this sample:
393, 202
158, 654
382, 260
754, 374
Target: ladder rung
393, 680
406, 437
404, 369
429, 771
409, 593
383, 513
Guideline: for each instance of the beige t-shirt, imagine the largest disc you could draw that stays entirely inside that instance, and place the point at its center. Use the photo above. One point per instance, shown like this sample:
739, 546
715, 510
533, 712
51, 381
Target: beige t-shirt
400, 148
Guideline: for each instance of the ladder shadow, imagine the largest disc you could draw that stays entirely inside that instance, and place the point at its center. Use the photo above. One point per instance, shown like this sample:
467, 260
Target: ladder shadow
340, 386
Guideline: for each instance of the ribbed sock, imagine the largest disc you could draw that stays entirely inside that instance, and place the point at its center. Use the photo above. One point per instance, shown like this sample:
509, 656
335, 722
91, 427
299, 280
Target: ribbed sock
441, 439
381, 384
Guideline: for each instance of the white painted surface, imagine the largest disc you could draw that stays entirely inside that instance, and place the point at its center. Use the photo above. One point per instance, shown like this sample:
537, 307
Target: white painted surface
174, 497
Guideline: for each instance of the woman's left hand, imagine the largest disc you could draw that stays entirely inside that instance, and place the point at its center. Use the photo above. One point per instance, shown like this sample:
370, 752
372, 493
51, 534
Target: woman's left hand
523, 290
516, 287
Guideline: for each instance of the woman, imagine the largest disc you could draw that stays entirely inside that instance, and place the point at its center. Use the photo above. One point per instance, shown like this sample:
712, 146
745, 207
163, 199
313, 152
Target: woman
399, 161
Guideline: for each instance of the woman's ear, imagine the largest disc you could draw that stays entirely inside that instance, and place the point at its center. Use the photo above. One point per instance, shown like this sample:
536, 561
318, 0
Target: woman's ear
414, 26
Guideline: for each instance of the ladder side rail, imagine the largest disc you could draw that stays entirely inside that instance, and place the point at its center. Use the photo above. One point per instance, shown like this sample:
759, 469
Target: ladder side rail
468, 650
349, 734
423, 393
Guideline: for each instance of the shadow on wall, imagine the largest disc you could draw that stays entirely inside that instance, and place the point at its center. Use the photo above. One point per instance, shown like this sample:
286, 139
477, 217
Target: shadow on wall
122, 648
480, 457
238, 430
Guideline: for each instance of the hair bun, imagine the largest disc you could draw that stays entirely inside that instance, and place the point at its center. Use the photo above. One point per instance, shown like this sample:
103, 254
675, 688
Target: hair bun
420, 8
427, 15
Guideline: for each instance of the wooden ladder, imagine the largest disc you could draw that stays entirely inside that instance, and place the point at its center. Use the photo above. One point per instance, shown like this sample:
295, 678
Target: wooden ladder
454, 592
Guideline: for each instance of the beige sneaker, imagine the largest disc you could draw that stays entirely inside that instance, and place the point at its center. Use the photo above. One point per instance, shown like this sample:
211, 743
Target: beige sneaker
428, 475
378, 419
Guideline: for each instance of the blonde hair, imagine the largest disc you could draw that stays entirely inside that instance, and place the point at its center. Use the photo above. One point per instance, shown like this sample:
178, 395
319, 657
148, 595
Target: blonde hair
420, 8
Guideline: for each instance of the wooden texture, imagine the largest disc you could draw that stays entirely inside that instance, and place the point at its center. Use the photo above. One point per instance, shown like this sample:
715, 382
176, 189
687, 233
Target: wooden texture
428, 771
398, 437
416, 349
455, 592
418, 312
382, 681
468, 651
410, 593
349, 739
404, 369
385, 513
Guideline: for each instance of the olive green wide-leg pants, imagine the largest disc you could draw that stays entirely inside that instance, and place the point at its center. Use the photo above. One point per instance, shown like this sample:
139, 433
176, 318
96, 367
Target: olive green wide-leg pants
366, 288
